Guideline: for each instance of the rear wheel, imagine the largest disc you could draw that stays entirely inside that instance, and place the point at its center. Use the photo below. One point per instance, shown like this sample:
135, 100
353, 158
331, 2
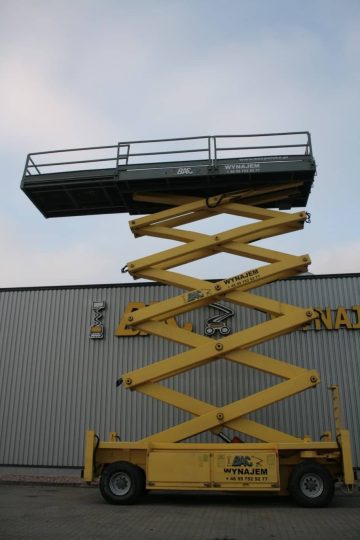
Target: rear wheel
122, 483
311, 485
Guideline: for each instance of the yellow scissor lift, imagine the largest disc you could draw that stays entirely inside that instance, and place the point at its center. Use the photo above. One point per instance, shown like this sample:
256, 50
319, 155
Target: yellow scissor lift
279, 462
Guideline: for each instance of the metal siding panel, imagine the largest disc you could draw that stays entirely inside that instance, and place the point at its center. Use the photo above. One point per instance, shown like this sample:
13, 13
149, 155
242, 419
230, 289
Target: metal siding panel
56, 382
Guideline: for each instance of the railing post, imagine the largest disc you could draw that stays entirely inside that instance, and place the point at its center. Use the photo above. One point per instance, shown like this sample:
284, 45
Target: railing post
26, 171
309, 143
215, 152
118, 156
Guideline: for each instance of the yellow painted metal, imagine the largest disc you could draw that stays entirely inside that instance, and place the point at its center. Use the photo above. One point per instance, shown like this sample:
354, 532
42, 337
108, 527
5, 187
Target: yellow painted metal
210, 351
210, 292
336, 407
343, 438
170, 462
246, 358
240, 470
89, 456
283, 318
191, 249
253, 470
146, 445
344, 442
198, 407
180, 467
235, 410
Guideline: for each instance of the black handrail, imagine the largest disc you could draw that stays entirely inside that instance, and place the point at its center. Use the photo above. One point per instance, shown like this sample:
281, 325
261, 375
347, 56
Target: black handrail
212, 150
260, 147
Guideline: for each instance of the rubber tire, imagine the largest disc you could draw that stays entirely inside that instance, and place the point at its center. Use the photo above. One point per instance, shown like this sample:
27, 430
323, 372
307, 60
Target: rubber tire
135, 476
297, 493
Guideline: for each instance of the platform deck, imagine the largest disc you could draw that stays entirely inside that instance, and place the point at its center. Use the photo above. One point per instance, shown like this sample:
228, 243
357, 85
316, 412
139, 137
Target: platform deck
107, 184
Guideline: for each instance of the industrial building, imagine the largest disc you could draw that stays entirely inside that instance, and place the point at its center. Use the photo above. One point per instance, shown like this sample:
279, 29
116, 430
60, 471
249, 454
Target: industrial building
62, 349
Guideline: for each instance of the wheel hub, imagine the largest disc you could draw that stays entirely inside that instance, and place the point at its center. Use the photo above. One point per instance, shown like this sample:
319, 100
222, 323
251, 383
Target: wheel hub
312, 485
120, 483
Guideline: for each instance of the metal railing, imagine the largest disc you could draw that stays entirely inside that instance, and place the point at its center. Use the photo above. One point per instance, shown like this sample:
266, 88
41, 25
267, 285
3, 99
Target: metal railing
208, 151
305, 145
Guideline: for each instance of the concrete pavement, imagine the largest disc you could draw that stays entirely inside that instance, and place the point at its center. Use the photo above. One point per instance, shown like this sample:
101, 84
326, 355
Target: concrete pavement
59, 512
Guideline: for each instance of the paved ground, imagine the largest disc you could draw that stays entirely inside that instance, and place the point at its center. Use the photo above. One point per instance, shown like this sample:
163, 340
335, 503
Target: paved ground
58, 512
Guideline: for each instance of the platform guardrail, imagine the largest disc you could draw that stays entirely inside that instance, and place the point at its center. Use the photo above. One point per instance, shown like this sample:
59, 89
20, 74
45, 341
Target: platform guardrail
155, 152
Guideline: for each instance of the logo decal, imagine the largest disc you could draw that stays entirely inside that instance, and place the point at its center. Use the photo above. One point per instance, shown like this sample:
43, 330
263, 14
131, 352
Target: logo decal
217, 323
184, 170
97, 328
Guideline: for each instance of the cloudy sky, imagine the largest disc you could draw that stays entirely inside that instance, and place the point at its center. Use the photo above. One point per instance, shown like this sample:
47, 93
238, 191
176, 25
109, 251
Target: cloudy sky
84, 72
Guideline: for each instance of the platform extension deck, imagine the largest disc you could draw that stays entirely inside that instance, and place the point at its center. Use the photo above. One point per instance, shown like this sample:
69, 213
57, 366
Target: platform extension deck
102, 180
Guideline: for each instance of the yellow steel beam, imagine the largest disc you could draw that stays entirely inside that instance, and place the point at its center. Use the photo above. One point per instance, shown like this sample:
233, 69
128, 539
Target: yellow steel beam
223, 415
242, 340
229, 203
247, 358
164, 228
89, 456
205, 295
343, 438
182, 206
324, 448
230, 247
190, 250
198, 407
284, 317
336, 407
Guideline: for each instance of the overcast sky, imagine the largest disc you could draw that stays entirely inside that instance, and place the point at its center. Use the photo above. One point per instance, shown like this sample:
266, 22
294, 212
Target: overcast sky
83, 72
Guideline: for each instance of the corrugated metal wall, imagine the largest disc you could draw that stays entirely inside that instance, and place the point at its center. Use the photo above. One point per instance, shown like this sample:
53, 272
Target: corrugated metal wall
55, 382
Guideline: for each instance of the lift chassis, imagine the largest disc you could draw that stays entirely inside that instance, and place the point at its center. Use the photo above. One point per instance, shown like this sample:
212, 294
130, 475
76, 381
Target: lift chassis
200, 178
280, 462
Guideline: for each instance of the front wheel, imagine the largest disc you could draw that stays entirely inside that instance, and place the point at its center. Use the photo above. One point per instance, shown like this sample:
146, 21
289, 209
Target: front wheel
311, 485
122, 483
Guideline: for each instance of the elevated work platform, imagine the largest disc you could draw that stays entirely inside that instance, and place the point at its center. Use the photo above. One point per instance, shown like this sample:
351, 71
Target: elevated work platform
102, 180
215, 176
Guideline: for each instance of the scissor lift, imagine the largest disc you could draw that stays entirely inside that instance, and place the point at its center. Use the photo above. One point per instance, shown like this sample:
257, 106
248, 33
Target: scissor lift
177, 193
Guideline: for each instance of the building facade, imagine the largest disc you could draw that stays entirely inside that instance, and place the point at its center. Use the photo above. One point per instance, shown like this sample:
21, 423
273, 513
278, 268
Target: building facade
62, 349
